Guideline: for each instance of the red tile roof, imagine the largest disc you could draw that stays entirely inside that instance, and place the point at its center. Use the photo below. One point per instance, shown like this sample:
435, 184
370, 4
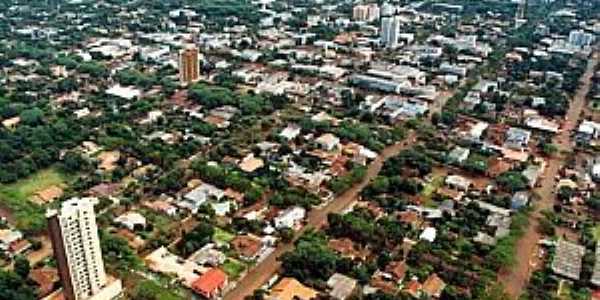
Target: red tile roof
210, 281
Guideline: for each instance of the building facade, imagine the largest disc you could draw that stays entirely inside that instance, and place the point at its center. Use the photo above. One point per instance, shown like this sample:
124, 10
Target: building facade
189, 65
366, 12
581, 38
74, 235
390, 31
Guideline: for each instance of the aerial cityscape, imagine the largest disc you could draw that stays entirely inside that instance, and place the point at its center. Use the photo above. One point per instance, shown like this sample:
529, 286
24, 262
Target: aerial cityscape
299, 149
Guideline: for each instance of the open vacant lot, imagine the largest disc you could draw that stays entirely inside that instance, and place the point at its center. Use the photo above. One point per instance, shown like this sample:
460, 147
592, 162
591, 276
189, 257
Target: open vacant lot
15, 197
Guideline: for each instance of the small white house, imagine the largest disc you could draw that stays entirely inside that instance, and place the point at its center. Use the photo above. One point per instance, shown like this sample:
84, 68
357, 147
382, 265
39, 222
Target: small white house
290, 217
459, 154
328, 141
429, 234
131, 220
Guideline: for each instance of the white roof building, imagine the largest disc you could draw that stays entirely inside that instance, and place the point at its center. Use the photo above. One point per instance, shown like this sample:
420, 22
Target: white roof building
429, 234
200, 195
328, 141
458, 182
131, 220
290, 132
9, 236
290, 217
128, 93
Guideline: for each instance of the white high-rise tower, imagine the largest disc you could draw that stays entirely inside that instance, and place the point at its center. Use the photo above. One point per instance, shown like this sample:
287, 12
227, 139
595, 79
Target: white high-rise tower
76, 245
390, 31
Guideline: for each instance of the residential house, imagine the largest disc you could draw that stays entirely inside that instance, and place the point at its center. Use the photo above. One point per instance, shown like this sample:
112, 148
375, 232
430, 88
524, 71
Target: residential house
458, 182
459, 154
517, 138
208, 255
433, 286
414, 288
291, 289
132, 221
250, 163
533, 173
341, 286
46, 279
328, 141
164, 262
10, 240
290, 217
162, 207
210, 284
519, 200
429, 234
290, 132
347, 248
11, 123
200, 195
396, 270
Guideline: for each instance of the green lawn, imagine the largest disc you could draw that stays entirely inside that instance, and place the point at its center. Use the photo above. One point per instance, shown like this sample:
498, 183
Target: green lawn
222, 237
15, 196
233, 268
430, 188
597, 233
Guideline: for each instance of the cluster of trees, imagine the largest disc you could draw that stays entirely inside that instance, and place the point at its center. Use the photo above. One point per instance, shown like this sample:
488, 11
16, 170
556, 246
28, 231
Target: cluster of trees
249, 104
311, 259
416, 159
293, 196
512, 181
135, 77
117, 254
229, 178
16, 284
392, 185
199, 236
34, 144
342, 183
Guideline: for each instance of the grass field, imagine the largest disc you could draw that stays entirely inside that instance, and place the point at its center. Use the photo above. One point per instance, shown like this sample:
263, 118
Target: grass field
15, 196
233, 268
430, 188
222, 237
597, 233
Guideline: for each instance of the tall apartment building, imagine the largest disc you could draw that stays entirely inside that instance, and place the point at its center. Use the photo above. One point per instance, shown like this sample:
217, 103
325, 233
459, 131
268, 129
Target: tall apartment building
365, 12
76, 246
189, 65
390, 31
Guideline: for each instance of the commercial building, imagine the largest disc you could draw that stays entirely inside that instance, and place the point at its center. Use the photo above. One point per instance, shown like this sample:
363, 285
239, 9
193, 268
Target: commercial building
76, 246
189, 65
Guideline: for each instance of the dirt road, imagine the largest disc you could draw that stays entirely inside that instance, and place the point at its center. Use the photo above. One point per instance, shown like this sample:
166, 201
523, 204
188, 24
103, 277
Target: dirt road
264, 270
516, 279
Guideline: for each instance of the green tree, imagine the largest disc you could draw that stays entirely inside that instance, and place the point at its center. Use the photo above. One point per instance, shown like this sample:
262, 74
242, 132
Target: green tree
197, 238
22, 266
13, 287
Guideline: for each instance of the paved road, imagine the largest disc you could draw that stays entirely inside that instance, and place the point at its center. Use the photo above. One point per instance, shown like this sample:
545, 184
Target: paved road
263, 271
516, 279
